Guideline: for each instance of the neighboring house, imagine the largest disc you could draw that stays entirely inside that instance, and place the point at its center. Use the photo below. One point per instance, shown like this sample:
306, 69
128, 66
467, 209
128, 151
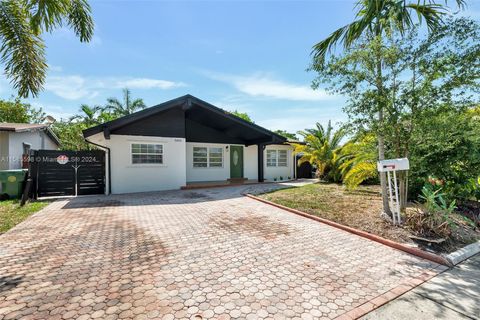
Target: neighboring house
17, 139
187, 140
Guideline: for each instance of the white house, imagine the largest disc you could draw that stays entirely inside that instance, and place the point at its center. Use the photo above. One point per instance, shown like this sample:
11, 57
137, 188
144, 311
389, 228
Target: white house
186, 141
17, 139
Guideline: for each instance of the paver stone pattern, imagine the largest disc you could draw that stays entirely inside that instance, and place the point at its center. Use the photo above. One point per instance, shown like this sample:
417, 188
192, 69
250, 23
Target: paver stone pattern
199, 254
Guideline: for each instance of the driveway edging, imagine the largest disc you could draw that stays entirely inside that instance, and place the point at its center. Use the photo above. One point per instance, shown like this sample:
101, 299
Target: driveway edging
391, 294
414, 251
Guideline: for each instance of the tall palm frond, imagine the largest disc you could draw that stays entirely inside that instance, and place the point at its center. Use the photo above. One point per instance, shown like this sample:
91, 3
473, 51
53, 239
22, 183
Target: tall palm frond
88, 115
22, 49
22, 52
359, 173
128, 106
321, 146
377, 17
47, 15
357, 161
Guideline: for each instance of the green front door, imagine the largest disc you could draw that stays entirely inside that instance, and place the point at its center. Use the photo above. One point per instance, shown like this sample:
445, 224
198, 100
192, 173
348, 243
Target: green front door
236, 162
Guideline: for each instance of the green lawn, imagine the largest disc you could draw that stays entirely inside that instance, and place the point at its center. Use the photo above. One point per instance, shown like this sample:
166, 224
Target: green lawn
359, 209
12, 214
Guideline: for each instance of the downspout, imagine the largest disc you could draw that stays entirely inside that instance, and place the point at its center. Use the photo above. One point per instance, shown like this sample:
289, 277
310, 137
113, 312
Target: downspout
294, 165
109, 166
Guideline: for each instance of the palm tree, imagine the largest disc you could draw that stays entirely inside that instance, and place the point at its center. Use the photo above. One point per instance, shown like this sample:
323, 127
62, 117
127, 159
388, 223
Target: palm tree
321, 147
376, 19
126, 107
22, 49
358, 160
88, 115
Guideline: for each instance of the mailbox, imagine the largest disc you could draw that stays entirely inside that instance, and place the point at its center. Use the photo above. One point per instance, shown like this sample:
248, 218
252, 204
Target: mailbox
389, 165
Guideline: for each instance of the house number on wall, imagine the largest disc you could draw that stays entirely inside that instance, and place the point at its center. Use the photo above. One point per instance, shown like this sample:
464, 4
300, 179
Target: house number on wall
235, 157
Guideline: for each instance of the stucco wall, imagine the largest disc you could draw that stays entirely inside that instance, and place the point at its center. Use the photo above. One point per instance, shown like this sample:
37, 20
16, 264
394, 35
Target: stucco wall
178, 167
127, 177
219, 174
270, 173
36, 139
4, 159
207, 174
251, 162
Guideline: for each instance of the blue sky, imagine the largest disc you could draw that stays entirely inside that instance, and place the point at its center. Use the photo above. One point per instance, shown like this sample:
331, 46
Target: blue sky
244, 55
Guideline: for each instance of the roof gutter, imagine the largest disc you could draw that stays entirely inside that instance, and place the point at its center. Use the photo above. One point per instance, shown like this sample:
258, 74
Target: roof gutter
109, 167
52, 135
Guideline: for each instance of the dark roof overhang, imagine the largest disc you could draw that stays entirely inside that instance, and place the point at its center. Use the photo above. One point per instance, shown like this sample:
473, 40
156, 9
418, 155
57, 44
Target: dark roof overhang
199, 112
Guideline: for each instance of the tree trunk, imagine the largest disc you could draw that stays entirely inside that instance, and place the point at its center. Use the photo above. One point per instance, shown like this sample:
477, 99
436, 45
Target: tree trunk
383, 177
402, 187
380, 136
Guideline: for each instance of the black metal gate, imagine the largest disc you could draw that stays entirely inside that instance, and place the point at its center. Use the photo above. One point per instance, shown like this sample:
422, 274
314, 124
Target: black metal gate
68, 173
304, 170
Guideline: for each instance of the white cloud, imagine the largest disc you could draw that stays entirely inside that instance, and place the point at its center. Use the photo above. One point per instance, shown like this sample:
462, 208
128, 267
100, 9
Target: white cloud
75, 87
57, 112
146, 83
70, 87
55, 68
264, 85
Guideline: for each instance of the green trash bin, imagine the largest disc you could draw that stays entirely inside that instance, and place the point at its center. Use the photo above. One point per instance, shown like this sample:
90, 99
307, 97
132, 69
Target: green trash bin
12, 182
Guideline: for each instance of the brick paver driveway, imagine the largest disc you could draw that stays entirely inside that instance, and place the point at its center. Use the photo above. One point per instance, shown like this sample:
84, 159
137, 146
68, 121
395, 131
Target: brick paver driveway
188, 254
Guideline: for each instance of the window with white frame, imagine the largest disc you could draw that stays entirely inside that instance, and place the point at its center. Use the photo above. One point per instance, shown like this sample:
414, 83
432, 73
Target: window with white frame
281, 158
147, 153
271, 158
215, 157
276, 158
204, 157
200, 157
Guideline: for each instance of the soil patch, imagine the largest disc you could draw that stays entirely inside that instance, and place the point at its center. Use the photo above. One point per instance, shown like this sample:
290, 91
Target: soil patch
361, 209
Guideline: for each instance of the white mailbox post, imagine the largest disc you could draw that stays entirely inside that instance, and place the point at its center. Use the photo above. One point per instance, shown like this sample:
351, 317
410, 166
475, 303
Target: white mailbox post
388, 166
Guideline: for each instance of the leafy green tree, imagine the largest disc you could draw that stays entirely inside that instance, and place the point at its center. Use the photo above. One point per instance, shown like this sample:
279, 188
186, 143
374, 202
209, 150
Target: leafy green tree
125, 107
105, 116
23, 50
242, 115
71, 135
321, 147
419, 74
18, 112
288, 135
445, 149
88, 115
376, 20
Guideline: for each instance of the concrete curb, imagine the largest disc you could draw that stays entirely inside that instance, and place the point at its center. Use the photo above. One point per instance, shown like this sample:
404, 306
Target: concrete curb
414, 251
464, 253
391, 294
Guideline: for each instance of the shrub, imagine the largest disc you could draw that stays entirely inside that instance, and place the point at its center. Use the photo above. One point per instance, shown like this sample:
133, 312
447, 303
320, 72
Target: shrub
432, 217
446, 145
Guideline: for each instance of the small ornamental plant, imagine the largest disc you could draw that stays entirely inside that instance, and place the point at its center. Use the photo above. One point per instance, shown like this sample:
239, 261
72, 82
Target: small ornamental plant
432, 217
